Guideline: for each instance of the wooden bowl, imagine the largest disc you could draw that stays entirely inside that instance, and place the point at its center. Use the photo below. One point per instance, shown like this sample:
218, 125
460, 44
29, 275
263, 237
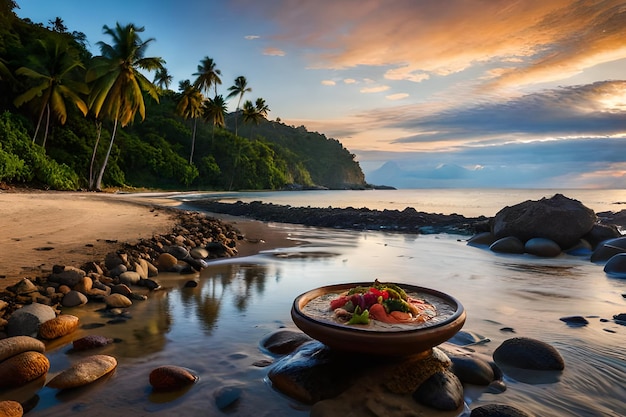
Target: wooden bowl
364, 339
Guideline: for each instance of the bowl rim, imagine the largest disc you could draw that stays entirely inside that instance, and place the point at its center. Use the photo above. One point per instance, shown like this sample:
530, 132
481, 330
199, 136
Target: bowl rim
459, 310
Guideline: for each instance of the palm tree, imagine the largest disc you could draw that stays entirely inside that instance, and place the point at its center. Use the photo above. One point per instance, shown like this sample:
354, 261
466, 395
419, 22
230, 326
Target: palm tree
57, 25
261, 107
207, 76
214, 112
255, 113
117, 81
239, 88
190, 107
162, 79
55, 74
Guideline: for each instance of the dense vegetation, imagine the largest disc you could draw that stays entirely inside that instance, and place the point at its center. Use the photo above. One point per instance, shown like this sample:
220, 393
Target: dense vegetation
71, 120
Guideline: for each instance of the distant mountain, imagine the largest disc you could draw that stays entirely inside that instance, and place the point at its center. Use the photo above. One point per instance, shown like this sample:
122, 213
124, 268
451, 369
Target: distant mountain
441, 176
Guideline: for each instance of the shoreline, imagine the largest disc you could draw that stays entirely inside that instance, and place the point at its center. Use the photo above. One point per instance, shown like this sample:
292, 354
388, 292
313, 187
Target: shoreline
46, 228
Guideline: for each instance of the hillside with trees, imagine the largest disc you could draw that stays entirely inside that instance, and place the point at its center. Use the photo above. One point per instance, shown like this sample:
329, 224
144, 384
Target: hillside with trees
70, 120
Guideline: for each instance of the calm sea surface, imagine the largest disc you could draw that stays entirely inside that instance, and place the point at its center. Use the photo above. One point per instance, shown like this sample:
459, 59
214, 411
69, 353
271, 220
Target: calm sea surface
468, 202
215, 328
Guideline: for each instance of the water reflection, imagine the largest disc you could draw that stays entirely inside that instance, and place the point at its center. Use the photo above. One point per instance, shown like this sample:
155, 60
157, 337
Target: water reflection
215, 328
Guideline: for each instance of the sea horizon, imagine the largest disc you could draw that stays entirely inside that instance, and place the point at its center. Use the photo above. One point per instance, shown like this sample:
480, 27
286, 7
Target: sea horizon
469, 202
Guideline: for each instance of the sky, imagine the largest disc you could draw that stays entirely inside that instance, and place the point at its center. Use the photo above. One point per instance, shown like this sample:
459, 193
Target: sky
453, 93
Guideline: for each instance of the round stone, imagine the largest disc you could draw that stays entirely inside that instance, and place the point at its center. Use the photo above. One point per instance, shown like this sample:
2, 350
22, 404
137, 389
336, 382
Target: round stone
26, 320
117, 301
481, 239
171, 377
83, 372
607, 249
179, 252
130, 278
90, 342
10, 408
59, 326
74, 299
166, 261
199, 253
22, 369
15, 345
527, 353
472, 370
540, 246
442, 391
121, 289
509, 244
616, 266
84, 285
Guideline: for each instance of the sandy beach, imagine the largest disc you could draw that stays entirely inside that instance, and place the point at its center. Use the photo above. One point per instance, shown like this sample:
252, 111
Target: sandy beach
43, 228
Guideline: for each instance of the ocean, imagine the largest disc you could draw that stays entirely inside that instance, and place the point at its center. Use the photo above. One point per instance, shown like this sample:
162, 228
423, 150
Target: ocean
215, 329
467, 202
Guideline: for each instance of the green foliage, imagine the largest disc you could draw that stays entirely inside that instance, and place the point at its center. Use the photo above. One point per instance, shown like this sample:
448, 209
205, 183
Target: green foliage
155, 152
12, 168
27, 162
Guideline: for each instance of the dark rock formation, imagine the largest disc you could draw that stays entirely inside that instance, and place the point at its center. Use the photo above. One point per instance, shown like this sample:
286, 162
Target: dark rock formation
558, 218
408, 220
527, 353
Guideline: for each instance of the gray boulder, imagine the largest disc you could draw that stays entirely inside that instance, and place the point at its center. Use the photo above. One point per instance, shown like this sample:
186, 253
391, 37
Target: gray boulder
26, 320
442, 391
509, 244
481, 239
472, 370
607, 249
558, 218
616, 266
527, 353
543, 247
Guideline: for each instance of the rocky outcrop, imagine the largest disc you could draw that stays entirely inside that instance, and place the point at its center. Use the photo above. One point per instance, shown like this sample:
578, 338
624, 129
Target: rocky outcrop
559, 218
551, 226
408, 220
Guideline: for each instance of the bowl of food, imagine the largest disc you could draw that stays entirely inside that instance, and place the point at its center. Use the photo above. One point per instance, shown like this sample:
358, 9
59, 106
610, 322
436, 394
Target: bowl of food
387, 319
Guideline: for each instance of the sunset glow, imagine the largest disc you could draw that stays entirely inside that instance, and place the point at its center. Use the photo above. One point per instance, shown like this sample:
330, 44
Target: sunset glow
414, 84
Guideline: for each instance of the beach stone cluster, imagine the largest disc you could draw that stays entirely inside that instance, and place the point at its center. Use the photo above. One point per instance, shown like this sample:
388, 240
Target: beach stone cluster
117, 279
31, 311
337, 383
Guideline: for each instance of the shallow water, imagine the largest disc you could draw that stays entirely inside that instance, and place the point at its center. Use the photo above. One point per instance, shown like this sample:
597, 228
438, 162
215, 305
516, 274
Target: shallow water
215, 328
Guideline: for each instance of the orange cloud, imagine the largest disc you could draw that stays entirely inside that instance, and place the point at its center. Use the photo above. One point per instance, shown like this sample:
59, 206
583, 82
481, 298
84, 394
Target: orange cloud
376, 89
532, 41
274, 52
397, 96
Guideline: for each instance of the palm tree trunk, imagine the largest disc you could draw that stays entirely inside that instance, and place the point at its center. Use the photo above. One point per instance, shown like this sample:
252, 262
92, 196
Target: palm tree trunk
193, 139
45, 136
93, 155
237, 111
106, 158
43, 108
